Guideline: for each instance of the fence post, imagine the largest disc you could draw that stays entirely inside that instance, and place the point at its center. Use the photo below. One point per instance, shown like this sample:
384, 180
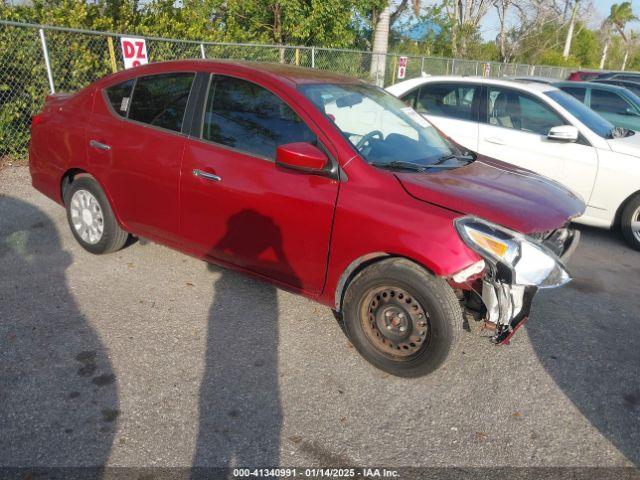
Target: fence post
477, 63
112, 55
202, 50
313, 57
421, 65
45, 53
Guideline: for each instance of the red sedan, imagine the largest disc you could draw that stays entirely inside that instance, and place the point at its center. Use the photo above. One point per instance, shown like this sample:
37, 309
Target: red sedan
321, 184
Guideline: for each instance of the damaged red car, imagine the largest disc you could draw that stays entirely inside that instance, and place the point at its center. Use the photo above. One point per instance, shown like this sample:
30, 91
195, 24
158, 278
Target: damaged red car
321, 184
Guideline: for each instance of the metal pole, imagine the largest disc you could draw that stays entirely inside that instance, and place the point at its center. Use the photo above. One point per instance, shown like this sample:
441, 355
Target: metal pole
112, 55
202, 50
421, 66
45, 53
313, 57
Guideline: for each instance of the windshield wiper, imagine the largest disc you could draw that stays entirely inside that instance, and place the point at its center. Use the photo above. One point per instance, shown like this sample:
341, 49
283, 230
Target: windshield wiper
399, 165
446, 158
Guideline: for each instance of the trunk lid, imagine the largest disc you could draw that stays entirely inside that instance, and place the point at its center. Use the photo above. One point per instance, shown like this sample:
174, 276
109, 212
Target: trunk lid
501, 193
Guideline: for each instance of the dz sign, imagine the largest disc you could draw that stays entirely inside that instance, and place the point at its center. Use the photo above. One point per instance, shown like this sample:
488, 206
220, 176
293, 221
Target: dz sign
134, 51
402, 67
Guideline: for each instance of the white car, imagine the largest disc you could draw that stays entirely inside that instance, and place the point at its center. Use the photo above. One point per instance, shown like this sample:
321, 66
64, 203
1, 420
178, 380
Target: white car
540, 128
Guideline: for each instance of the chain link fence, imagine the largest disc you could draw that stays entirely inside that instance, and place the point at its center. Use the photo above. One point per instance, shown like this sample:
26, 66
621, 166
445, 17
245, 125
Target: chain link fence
36, 60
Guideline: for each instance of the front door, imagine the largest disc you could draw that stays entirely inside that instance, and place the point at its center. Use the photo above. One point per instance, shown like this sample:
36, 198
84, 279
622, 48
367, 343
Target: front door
237, 206
515, 131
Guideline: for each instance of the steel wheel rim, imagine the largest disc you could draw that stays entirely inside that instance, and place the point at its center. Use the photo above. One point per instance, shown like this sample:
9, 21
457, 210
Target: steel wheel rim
394, 321
86, 216
635, 224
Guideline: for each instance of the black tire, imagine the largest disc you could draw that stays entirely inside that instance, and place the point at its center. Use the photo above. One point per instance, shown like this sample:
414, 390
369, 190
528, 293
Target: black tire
113, 237
630, 214
365, 309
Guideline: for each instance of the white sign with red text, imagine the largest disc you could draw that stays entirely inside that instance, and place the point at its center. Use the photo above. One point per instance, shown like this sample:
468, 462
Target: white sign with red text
402, 67
134, 51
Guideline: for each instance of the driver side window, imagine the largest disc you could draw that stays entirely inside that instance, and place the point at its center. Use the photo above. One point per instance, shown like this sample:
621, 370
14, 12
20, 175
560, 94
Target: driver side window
247, 117
512, 109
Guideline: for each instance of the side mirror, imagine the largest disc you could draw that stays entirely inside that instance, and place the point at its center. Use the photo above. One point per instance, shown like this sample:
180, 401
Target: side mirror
301, 156
564, 133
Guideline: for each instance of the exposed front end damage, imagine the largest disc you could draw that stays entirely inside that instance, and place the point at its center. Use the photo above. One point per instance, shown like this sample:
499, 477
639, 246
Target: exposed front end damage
500, 288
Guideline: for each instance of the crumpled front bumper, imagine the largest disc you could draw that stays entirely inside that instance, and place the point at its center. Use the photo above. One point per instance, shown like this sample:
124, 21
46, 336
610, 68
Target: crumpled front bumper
508, 303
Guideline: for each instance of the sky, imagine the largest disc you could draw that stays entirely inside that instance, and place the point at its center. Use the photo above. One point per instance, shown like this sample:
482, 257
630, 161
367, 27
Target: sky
602, 7
602, 10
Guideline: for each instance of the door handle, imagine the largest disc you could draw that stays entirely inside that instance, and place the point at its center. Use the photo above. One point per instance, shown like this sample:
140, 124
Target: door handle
99, 146
496, 140
205, 175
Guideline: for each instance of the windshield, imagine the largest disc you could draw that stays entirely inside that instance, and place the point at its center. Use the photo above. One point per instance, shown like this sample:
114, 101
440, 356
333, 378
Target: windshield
383, 130
591, 119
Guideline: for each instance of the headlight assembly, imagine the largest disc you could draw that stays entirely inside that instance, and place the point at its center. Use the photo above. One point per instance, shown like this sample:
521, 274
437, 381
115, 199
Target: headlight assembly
512, 254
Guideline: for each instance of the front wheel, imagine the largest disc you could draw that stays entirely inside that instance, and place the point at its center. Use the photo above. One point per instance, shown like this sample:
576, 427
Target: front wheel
90, 217
630, 223
401, 318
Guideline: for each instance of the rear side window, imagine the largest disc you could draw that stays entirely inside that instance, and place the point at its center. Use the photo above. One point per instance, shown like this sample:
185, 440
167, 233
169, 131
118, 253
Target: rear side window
447, 100
577, 93
247, 117
161, 100
119, 96
607, 102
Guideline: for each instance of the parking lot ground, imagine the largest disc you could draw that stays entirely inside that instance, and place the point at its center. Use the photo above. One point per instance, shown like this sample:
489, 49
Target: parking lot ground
148, 357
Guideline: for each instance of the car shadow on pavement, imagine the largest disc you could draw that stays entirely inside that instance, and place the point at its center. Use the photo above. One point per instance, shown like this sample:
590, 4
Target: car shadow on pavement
58, 395
587, 337
240, 415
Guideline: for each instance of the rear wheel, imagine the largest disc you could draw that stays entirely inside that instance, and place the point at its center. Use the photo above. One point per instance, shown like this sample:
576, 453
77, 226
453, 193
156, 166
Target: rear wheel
90, 217
401, 318
630, 222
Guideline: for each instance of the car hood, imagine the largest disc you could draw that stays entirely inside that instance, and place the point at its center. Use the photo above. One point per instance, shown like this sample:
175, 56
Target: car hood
627, 145
501, 193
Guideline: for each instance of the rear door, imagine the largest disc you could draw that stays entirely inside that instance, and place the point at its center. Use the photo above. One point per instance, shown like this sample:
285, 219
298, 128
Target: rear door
237, 206
515, 130
135, 139
451, 107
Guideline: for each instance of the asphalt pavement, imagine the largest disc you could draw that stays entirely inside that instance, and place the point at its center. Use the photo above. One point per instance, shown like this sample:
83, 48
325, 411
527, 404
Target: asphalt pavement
148, 357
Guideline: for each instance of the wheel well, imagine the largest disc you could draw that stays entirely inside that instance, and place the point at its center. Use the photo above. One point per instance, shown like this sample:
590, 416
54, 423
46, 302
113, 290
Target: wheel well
618, 217
67, 179
359, 265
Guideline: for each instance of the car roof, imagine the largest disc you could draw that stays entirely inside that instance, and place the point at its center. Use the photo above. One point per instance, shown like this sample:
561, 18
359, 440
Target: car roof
618, 80
532, 79
282, 72
601, 86
407, 85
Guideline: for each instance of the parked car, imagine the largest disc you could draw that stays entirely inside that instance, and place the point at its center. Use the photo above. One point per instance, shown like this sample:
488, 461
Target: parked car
632, 86
582, 76
633, 76
618, 105
532, 79
543, 129
322, 184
